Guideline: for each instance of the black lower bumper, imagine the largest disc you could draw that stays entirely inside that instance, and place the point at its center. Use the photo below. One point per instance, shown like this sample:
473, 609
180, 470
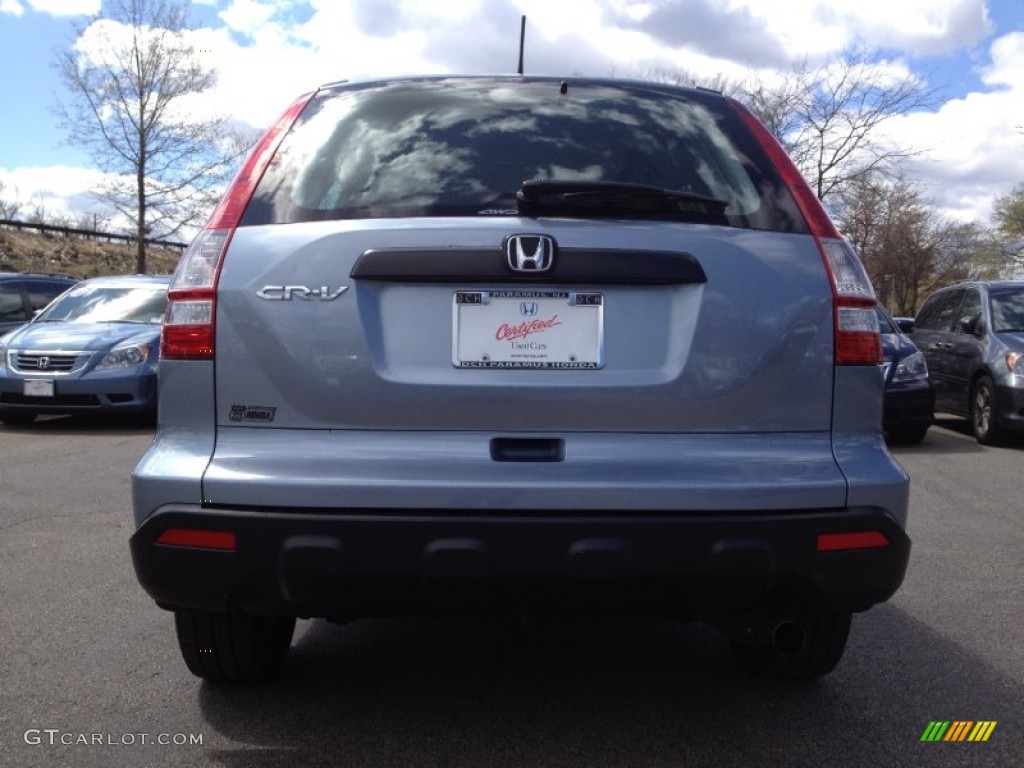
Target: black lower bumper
345, 564
1010, 407
909, 407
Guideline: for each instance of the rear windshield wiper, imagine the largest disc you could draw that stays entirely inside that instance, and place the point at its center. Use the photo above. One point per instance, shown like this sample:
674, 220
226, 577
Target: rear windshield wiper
613, 197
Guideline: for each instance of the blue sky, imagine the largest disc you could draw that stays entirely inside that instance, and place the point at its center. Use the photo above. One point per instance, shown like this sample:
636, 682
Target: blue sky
269, 51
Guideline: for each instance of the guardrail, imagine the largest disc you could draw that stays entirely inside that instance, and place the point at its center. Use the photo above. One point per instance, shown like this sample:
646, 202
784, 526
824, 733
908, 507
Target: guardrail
89, 234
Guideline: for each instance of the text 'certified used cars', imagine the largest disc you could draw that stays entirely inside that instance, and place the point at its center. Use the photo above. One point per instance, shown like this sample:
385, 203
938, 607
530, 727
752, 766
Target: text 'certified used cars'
458, 343
94, 349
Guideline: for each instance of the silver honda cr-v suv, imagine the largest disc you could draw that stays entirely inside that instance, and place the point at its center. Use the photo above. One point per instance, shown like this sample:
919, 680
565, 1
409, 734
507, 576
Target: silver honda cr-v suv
465, 343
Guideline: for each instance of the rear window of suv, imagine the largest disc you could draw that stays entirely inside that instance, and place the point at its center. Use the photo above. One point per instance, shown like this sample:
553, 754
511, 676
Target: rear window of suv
464, 147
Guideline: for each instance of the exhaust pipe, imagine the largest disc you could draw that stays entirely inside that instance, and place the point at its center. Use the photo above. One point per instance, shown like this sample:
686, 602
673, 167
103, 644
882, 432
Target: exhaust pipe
766, 626
788, 637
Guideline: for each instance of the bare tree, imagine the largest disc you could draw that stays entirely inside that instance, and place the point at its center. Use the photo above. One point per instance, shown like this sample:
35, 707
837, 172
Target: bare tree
38, 213
1008, 220
131, 88
780, 106
10, 207
829, 118
907, 249
91, 220
687, 79
1008, 213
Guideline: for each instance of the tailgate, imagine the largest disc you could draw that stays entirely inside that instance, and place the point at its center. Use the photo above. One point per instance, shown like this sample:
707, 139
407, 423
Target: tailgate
742, 344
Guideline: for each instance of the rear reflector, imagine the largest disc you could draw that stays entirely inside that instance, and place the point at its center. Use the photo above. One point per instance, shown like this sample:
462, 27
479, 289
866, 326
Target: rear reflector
198, 539
835, 542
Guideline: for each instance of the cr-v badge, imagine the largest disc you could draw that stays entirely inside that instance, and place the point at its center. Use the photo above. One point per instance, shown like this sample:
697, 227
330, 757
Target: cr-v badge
288, 292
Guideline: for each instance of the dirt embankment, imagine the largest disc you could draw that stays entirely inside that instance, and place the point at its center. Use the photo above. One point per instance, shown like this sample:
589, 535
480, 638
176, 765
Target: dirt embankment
22, 251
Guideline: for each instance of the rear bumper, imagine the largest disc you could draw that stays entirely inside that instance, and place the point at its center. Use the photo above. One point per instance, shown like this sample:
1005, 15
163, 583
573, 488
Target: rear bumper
909, 405
348, 563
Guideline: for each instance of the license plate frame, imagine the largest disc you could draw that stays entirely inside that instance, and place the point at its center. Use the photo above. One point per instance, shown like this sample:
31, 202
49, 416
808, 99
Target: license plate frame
528, 330
38, 388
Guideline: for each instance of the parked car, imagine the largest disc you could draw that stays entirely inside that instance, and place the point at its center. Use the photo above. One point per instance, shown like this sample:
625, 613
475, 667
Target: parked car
909, 393
454, 343
22, 294
95, 348
972, 335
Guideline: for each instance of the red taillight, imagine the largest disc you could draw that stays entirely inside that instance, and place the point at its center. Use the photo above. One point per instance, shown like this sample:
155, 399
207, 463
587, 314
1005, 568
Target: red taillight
837, 542
196, 538
184, 343
856, 323
857, 333
231, 207
188, 331
857, 339
189, 324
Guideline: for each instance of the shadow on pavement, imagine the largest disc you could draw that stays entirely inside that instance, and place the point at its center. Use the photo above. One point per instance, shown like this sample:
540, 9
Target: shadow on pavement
951, 435
79, 424
612, 692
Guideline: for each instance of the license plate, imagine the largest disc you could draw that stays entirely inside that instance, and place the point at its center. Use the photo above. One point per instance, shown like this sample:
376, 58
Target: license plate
38, 387
556, 330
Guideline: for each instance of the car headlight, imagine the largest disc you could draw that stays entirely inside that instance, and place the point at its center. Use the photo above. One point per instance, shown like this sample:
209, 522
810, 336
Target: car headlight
911, 367
1015, 362
125, 356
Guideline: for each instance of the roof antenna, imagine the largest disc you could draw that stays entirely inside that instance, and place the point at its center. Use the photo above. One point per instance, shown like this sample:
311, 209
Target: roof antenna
522, 43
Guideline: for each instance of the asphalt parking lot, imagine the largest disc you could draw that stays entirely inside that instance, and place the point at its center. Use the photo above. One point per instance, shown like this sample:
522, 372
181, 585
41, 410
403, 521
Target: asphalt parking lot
92, 676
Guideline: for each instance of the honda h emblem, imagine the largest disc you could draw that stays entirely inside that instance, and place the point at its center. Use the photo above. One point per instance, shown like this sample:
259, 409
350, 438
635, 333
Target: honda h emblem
528, 308
530, 253
43, 362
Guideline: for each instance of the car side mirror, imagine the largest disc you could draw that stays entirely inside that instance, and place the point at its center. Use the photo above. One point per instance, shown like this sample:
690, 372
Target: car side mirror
906, 324
971, 325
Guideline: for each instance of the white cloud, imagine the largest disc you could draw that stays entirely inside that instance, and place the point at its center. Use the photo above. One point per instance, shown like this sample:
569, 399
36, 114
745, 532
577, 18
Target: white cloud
1007, 66
12, 7
247, 15
769, 32
66, 7
827, 26
62, 190
972, 150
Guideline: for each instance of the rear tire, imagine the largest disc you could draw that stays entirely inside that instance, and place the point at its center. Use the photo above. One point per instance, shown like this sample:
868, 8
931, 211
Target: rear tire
807, 646
16, 418
983, 413
232, 647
